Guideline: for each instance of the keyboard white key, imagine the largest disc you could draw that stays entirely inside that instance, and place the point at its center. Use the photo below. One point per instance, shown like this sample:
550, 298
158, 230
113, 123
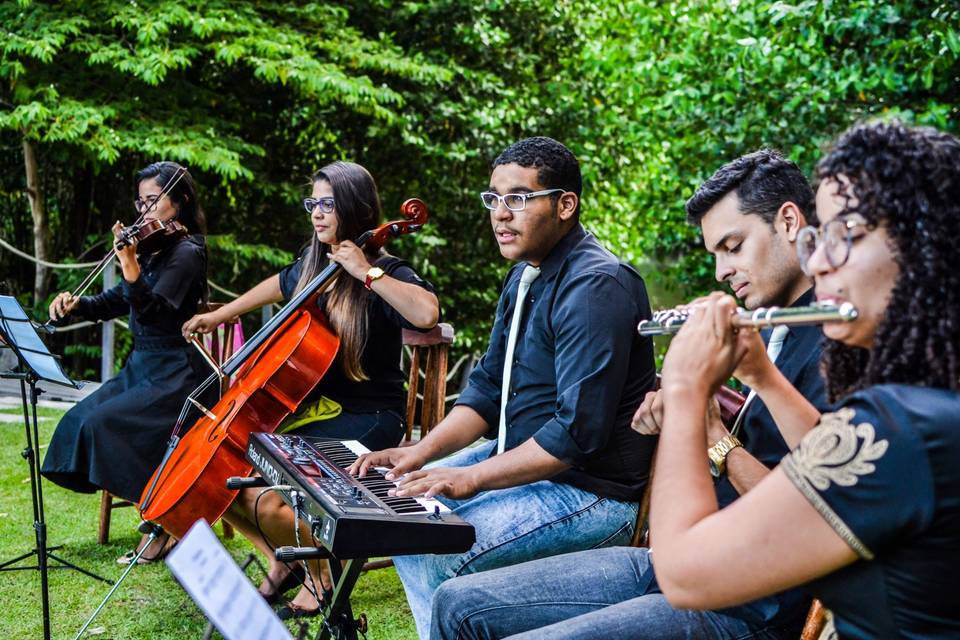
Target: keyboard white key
429, 504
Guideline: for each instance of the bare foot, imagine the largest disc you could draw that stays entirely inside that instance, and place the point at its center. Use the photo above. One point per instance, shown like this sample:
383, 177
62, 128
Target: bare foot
305, 600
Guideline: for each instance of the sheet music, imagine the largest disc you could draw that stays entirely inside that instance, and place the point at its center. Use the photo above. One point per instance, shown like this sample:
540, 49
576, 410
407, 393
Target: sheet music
18, 331
222, 591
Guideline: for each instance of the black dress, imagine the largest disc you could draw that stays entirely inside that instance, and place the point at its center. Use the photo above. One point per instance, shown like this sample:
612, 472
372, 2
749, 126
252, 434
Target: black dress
115, 438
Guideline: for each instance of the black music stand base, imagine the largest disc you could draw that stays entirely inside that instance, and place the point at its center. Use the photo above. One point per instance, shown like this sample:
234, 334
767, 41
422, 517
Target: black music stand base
42, 552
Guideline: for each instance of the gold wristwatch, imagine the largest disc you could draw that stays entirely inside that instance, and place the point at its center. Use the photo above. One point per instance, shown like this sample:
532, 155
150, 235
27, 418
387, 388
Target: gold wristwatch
718, 454
375, 273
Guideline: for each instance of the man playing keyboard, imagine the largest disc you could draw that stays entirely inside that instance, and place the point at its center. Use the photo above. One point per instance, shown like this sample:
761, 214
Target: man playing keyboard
570, 470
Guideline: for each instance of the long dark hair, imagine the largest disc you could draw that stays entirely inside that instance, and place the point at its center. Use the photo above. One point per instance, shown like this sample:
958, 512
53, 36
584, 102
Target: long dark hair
907, 180
183, 195
357, 208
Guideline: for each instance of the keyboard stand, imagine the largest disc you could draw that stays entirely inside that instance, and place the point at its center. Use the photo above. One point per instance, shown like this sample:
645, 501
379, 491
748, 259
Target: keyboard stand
338, 614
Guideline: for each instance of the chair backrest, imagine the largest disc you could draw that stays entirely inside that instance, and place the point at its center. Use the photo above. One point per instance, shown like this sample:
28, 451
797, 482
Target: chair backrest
641, 529
816, 622
222, 350
428, 351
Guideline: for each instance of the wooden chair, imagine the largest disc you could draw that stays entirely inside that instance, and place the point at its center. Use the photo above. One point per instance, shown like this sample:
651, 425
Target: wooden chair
816, 622
221, 350
429, 351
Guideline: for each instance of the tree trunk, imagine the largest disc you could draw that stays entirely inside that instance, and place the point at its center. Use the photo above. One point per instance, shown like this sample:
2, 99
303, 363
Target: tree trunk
41, 227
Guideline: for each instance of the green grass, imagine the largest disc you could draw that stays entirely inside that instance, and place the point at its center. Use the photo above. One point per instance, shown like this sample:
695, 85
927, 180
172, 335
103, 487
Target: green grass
150, 603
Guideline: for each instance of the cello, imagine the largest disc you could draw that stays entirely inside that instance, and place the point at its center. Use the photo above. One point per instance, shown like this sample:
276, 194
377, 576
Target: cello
272, 373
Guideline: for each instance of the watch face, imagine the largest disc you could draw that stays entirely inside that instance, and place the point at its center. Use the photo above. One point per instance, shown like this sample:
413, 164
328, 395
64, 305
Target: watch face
714, 469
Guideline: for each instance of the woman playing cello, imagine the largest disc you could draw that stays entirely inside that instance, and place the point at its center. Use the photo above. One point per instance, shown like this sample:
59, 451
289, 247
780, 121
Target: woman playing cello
361, 397
115, 437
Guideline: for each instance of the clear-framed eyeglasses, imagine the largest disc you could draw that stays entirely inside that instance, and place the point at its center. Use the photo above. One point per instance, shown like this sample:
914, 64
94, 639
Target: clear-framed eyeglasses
144, 204
836, 237
325, 204
513, 201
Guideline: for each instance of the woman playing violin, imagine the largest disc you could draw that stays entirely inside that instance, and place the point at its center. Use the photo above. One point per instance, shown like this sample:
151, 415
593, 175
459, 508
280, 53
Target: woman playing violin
116, 437
374, 298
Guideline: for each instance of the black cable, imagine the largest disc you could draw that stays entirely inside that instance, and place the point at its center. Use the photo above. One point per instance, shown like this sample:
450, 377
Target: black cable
269, 543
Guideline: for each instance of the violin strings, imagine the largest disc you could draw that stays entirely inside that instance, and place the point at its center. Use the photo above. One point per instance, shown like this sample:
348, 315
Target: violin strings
180, 172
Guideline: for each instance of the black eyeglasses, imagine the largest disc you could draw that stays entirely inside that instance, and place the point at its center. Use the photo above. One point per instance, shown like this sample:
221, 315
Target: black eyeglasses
325, 204
513, 201
836, 237
142, 205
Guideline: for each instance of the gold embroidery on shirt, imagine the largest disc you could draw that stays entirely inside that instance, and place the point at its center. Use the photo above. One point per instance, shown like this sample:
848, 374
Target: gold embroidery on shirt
837, 451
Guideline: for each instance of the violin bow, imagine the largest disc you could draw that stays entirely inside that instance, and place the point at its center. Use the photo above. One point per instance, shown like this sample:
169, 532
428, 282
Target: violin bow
98, 269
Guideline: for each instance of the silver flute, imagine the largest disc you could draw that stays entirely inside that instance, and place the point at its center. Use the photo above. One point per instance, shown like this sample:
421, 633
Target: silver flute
669, 321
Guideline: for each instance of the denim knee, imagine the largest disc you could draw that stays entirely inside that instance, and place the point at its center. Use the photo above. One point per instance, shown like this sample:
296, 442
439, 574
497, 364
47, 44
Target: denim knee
451, 607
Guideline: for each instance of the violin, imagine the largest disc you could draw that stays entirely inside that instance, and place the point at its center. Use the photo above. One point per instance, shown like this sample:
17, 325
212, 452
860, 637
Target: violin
151, 236
272, 373
730, 400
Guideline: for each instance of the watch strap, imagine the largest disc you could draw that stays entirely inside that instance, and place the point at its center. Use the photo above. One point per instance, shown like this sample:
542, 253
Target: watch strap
375, 273
718, 453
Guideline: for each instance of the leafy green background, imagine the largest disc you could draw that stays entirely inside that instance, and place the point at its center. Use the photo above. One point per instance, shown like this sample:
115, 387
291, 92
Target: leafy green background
254, 96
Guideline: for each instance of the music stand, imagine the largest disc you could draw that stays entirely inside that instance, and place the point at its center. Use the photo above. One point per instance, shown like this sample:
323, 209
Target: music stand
34, 363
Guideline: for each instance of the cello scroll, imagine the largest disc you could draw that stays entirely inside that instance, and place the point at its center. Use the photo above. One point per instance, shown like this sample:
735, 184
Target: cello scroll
415, 214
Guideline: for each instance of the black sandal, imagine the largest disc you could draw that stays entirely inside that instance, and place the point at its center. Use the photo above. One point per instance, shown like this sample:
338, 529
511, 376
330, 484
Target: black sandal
292, 611
165, 547
293, 579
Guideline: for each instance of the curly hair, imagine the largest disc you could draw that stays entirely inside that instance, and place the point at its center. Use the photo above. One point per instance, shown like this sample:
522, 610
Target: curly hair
557, 167
907, 180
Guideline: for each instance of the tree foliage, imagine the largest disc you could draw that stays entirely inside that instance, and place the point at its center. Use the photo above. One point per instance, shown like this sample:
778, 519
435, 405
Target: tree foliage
255, 96
670, 91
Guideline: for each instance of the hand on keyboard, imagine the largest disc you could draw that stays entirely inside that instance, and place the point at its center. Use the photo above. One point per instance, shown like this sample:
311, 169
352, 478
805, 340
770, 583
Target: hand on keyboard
400, 460
453, 482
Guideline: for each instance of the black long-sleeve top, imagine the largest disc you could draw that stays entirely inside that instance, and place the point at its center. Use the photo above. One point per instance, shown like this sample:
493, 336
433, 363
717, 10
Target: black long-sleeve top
167, 293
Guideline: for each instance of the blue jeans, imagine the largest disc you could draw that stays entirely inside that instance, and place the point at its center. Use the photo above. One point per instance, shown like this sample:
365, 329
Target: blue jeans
601, 593
514, 525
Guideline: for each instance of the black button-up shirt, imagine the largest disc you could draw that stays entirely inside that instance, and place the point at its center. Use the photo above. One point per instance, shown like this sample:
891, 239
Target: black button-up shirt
580, 368
799, 362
